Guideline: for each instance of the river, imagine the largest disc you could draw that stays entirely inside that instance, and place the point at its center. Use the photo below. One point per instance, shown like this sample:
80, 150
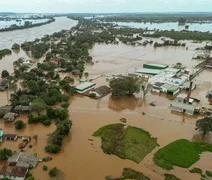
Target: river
20, 36
168, 26
4, 24
81, 159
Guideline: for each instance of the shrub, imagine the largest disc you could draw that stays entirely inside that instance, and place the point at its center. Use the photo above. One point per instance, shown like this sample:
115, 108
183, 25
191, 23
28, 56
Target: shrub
45, 168
53, 172
196, 170
65, 105
53, 148
208, 173
1, 115
19, 124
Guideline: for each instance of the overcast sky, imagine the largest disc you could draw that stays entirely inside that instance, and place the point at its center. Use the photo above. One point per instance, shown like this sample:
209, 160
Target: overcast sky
104, 6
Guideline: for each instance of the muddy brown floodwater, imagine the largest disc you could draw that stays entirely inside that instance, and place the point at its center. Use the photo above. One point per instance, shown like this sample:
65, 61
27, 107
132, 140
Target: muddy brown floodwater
81, 159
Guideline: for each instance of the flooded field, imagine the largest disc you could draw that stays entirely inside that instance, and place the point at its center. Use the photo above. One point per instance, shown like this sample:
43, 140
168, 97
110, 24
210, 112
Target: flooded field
168, 26
81, 159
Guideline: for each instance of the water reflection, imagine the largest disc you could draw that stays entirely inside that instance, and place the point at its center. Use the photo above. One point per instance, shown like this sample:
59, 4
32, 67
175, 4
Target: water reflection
124, 103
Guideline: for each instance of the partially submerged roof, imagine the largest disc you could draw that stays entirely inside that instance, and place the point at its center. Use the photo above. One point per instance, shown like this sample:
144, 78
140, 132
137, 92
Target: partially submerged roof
156, 65
22, 108
172, 70
13, 171
84, 85
183, 96
102, 89
10, 116
183, 106
170, 87
148, 71
24, 160
6, 108
10, 136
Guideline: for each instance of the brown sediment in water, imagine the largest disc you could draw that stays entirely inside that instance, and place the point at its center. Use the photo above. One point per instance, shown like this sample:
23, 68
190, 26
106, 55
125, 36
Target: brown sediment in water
81, 159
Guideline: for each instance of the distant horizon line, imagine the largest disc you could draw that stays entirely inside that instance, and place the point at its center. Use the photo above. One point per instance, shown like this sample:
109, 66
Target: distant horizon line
153, 12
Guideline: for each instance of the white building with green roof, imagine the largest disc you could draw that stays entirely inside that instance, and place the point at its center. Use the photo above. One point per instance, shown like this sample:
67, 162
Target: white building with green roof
84, 87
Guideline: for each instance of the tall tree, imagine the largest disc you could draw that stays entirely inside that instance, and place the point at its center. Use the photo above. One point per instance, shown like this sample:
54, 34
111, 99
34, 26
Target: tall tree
5, 74
125, 86
204, 126
38, 105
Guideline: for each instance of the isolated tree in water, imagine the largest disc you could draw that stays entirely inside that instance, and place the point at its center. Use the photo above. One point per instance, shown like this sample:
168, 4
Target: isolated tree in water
4, 74
125, 86
204, 126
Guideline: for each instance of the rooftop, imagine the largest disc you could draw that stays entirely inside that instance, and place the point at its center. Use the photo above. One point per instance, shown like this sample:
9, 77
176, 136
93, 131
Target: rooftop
148, 71
183, 96
184, 106
10, 116
6, 108
174, 70
170, 87
158, 65
84, 85
13, 171
24, 160
22, 108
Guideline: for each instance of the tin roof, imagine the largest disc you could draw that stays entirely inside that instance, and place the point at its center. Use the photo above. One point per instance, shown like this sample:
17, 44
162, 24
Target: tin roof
84, 85
13, 171
184, 106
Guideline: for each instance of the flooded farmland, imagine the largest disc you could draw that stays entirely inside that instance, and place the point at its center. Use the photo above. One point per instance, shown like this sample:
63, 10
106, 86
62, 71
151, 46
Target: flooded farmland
81, 159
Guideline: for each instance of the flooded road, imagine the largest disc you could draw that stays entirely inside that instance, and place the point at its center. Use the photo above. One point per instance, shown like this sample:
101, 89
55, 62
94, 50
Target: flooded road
20, 36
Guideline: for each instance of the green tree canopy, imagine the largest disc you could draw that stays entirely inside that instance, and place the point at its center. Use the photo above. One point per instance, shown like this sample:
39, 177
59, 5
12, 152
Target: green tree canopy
204, 126
5, 153
19, 124
5, 74
38, 105
125, 86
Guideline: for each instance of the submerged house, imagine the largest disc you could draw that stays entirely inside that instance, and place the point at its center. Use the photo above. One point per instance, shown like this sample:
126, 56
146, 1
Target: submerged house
9, 117
22, 109
100, 92
13, 172
10, 137
183, 108
5, 109
24, 160
84, 87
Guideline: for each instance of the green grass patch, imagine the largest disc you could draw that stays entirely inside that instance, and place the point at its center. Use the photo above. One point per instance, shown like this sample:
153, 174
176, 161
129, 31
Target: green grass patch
170, 177
196, 171
127, 143
182, 153
129, 174
208, 173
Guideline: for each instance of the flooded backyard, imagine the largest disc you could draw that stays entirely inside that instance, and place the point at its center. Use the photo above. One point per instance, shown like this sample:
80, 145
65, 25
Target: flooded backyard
81, 159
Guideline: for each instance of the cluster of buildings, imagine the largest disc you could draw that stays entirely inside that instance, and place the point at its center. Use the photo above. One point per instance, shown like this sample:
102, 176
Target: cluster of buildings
18, 165
10, 112
14, 137
171, 81
88, 88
